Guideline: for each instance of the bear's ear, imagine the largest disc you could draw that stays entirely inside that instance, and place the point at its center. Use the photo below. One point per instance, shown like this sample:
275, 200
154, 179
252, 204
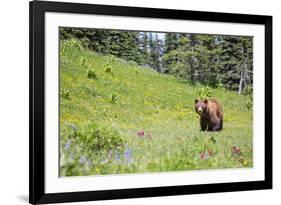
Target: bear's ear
196, 101
206, 101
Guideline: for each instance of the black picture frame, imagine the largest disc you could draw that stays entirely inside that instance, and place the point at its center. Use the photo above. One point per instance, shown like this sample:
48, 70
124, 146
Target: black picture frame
37, 193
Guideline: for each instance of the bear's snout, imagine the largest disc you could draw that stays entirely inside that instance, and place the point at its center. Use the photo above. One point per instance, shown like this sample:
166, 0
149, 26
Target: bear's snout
200, 110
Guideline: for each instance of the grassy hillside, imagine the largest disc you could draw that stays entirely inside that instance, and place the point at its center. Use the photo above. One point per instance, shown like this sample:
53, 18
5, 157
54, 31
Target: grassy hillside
116, 117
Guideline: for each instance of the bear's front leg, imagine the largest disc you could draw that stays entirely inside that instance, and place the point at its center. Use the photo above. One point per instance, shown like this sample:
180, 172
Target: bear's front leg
203, 124
216, 127
210, 127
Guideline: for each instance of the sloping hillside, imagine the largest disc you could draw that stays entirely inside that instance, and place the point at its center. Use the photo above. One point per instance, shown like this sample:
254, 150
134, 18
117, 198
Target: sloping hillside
117, 117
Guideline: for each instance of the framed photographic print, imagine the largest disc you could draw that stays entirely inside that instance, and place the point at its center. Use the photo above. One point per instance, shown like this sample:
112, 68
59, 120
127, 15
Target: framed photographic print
140, 102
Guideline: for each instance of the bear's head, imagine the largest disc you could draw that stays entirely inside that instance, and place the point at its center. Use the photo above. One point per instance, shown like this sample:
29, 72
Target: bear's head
201, 106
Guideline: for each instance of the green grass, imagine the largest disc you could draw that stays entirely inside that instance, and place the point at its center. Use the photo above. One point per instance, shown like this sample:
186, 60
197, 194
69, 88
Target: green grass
117, 117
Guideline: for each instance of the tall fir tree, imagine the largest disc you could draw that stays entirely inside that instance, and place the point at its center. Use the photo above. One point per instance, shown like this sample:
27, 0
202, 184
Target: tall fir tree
143, 47
237, 60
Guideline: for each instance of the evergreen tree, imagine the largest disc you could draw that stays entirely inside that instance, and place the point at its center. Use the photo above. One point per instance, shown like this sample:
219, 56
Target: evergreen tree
214, 60
158, 54
143, 47
155, 52
237, 60
124, 45
195, 59
151, 52
171, 42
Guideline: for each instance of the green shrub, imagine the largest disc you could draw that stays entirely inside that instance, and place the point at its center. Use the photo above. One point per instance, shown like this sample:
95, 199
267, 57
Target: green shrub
84, 62
94, 138
204, 92
91, 74
113, 98
83, 148
64, 93
70, 47
108, 68
101, 138
249, 102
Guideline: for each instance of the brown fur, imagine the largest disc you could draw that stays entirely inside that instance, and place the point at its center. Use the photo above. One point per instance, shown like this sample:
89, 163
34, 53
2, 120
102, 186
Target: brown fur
211, 114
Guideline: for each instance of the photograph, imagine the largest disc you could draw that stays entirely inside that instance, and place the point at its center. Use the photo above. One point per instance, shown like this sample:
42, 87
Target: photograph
131, 102
134, 102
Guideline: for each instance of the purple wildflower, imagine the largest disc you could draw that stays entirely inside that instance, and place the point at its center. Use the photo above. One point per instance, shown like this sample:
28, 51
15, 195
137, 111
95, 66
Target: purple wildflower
128, 155
82, 160
67, 145
117, 156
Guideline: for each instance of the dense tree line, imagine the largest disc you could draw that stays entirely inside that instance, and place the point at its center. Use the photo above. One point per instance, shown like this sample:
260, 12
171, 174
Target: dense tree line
215, 60
211, 59
122, 44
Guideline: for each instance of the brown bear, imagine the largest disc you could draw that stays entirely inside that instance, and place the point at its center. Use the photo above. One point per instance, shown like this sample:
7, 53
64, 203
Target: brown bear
211, 114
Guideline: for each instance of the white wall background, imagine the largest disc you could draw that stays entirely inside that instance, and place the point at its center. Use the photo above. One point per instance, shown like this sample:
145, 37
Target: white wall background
14, 100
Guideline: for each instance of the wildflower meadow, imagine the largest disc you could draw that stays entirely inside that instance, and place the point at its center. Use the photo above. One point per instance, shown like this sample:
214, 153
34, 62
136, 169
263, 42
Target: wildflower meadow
119, 117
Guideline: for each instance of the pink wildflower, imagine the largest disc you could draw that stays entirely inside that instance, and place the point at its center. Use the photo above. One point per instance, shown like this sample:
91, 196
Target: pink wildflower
140, 133
236, 150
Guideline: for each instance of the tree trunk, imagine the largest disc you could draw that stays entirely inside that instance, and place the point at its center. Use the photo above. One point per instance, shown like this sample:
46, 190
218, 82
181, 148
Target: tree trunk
245, 75
241, 83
